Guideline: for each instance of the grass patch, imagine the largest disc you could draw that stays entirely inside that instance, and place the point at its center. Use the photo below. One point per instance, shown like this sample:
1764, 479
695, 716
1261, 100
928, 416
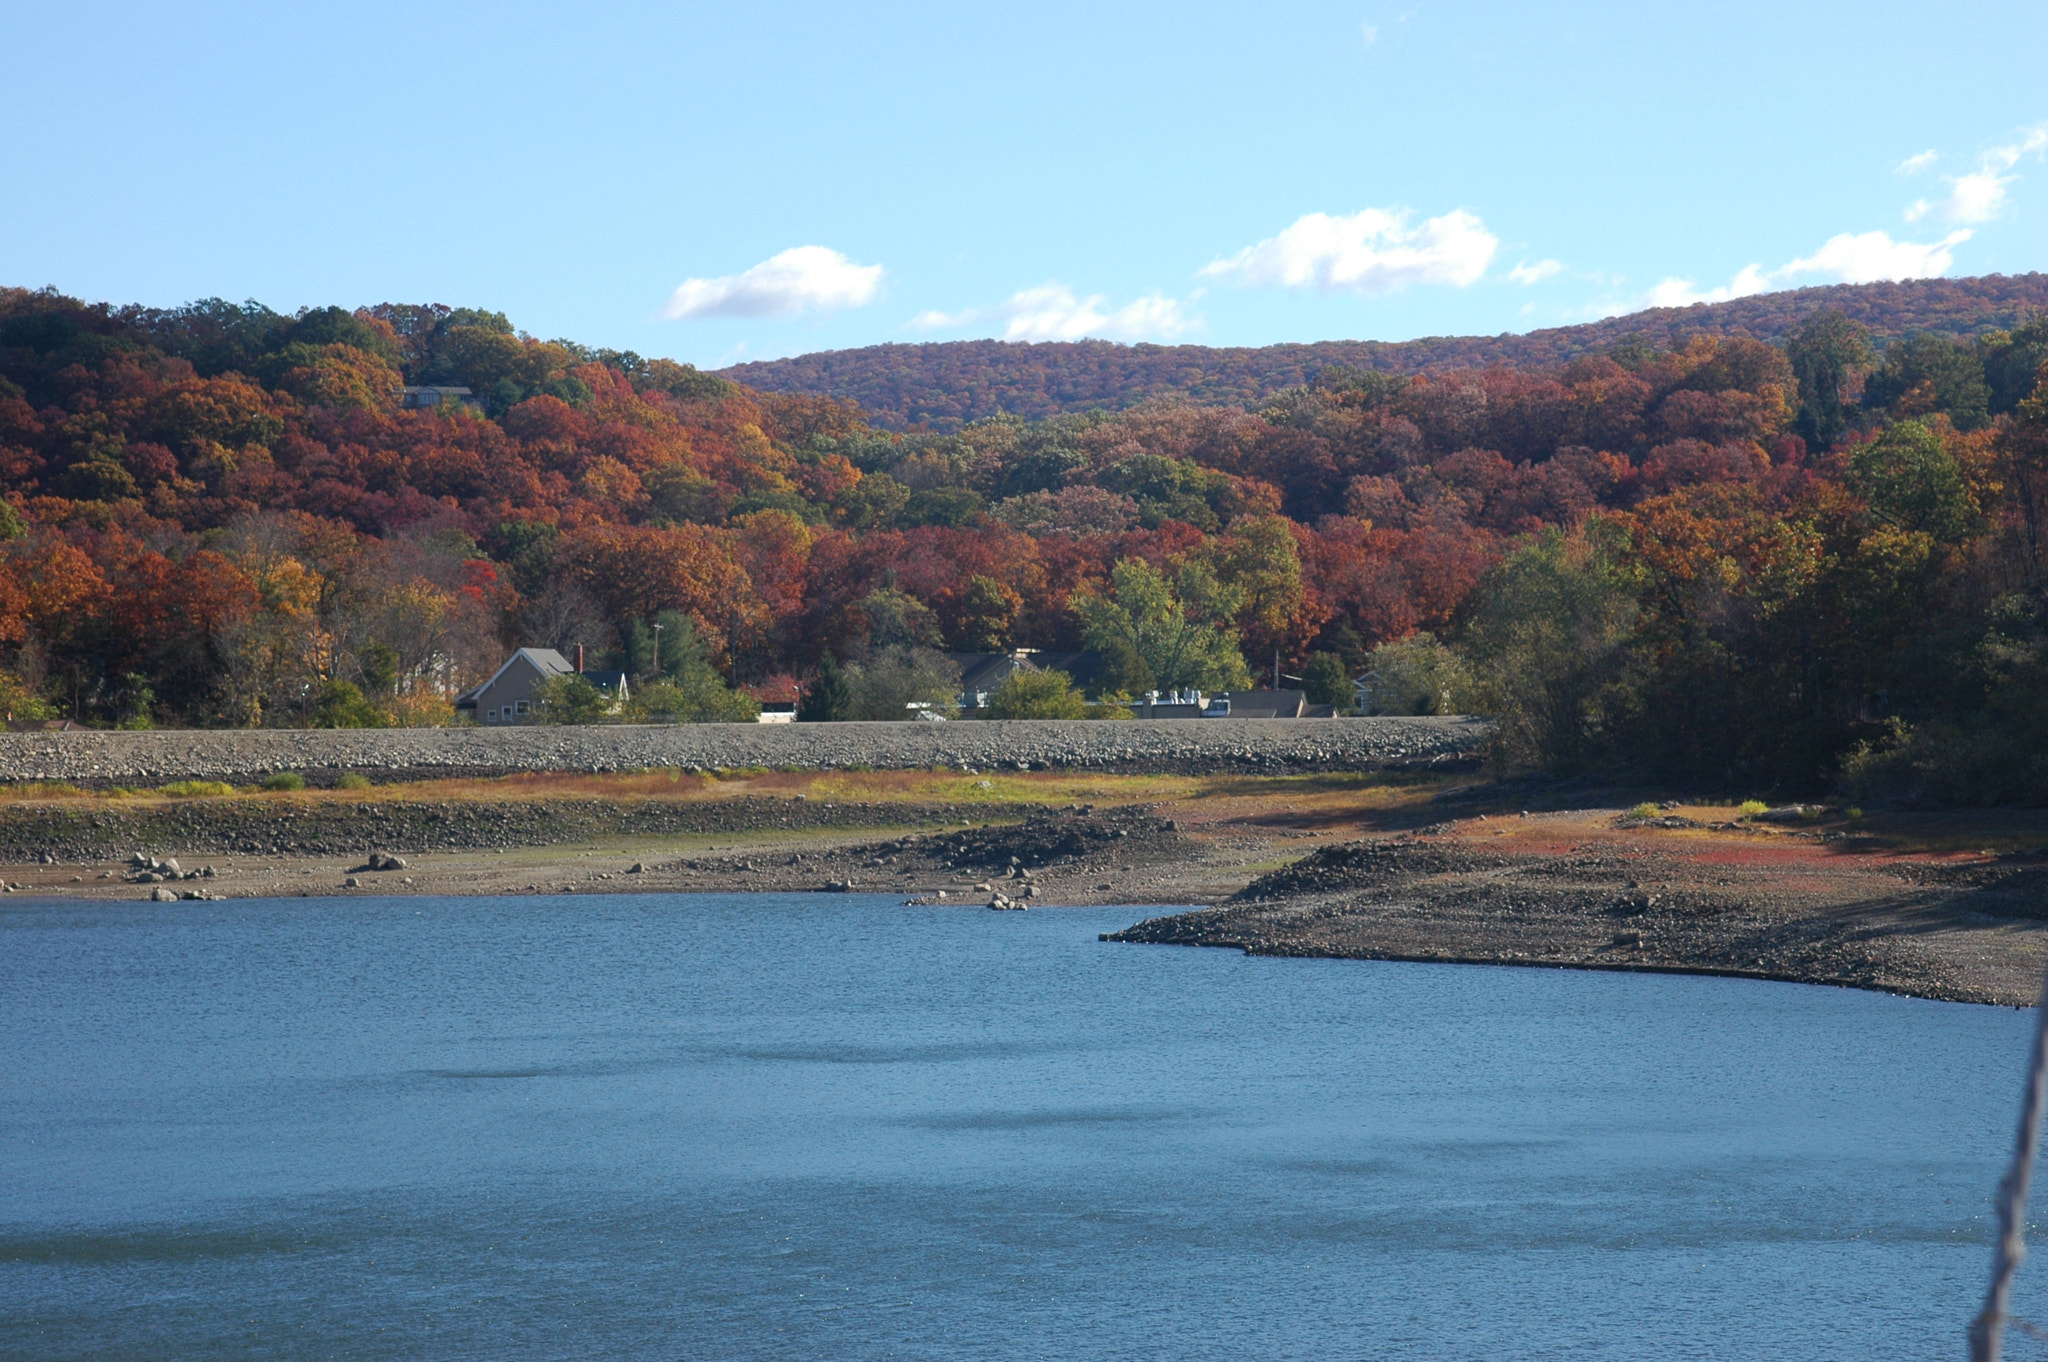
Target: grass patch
43, 789
284, 781
351, 781
196, 789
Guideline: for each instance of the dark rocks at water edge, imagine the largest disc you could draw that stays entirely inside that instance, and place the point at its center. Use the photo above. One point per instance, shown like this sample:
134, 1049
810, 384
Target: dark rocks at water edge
75, 831
1177, 746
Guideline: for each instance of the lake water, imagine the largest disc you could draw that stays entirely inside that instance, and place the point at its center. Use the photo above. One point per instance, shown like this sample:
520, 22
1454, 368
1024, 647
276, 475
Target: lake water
704, 1127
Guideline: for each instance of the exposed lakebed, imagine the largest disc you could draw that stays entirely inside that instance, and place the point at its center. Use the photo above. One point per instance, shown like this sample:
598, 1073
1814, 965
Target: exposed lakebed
837, 1126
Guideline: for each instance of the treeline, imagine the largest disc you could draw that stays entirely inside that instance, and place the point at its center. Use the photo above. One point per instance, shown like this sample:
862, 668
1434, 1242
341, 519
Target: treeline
942, 386
1753, 564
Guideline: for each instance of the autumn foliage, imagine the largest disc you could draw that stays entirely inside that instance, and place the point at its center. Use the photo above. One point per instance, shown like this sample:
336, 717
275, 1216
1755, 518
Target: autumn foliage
214, 514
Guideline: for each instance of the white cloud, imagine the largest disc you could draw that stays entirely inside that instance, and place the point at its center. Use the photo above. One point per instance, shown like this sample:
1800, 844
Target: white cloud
1848, 258
1053, 312
1526, 273
1374, 251
1979, 196
1371, 32
1683, 293
797, 280
1917, 162
1863, 258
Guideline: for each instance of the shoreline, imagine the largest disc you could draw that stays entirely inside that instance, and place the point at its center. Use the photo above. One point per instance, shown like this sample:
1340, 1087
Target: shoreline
1346, 867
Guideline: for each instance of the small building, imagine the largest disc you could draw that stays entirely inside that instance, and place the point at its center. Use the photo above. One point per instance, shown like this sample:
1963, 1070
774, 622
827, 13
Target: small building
507, 698
778, 697
437, 395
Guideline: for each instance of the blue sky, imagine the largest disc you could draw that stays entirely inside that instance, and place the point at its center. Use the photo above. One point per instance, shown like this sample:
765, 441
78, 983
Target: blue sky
731, 182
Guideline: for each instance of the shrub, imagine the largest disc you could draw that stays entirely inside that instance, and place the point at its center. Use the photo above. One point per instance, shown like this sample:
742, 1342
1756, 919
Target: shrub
1646, 809
342, 705
1037, 695
351, 781
196, 789
1751, 808
284, 780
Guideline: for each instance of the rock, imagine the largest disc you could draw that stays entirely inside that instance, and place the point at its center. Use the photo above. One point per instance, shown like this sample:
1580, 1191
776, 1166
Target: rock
170, 867
637, 868
1628, 938
351, 883
163, 895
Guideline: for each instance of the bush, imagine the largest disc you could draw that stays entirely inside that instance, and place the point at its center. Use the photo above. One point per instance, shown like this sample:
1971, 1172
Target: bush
1037, 695
697, 697
1646, 809
573, 699
1751, 808
351, 781
341, 704
284, 780
196, 789
1418, 675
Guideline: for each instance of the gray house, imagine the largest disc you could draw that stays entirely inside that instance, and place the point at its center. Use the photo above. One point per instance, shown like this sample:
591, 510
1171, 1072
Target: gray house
507, 698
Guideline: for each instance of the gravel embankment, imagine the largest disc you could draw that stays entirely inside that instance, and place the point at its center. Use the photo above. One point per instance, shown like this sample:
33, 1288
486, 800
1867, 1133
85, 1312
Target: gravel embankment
1266, 746
84, 831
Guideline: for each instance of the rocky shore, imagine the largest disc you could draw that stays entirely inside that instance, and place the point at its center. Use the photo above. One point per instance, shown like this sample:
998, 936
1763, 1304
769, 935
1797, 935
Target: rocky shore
1970, 931
99, 760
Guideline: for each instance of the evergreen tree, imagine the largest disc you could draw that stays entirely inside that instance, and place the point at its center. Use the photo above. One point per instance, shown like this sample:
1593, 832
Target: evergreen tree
828, 699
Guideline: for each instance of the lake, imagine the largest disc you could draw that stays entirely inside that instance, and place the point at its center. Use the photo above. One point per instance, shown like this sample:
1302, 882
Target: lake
797, 1126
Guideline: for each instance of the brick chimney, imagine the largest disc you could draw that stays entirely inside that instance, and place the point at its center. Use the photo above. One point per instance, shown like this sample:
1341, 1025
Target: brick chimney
579, 659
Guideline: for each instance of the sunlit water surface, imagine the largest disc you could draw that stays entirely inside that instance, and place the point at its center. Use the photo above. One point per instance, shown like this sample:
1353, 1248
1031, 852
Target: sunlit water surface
685, 1126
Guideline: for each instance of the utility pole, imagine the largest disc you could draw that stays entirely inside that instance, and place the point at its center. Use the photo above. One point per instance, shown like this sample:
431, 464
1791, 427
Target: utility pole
1276, 666
657, 652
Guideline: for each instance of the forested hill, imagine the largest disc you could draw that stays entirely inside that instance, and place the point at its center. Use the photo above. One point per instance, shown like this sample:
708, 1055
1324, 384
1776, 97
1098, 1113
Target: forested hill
944, 385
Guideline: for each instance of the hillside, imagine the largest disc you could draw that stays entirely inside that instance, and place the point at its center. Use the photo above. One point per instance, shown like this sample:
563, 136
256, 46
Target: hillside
946, 384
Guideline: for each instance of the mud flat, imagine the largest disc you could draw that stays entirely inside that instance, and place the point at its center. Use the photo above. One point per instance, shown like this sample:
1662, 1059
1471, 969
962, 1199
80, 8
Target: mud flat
1191, 746
1971, 929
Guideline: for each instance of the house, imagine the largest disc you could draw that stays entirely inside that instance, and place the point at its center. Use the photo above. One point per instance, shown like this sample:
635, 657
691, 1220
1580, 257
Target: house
507, 698
437, 395
778, 697
981, 674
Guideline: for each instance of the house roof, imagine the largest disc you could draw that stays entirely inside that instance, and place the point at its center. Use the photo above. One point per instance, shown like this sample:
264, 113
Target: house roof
1265, 704
986, 671
546, 661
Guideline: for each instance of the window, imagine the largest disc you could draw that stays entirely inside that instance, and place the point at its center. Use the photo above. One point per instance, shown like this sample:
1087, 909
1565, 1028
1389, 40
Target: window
522, 706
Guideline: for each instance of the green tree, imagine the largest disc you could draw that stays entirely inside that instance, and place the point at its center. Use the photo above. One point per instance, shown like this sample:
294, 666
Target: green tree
827, 699
1925, 374
573, 699
1037, 695
1417, 675
1548, 638
678, 683
889, 681
1826, 352
1326, 680
2013, 362
1177, 627
1912, 482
